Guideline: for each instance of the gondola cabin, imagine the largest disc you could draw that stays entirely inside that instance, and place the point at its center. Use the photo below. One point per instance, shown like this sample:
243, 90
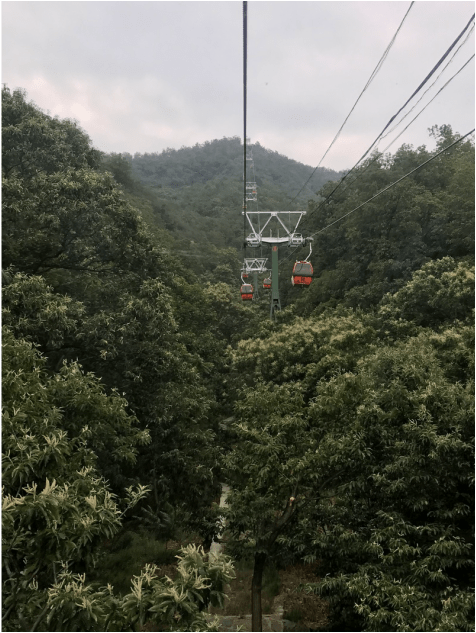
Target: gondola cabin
247, 292
245, 275
302, 274
267, 284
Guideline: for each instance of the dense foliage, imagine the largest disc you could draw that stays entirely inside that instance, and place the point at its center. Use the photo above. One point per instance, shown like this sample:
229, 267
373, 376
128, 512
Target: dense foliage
378, 467
94, 373
135, 381
427, 216
196, 192
223, 159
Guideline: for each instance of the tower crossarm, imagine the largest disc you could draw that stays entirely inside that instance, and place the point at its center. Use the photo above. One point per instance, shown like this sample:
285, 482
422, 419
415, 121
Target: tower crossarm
255, 265
257, 235
278, 213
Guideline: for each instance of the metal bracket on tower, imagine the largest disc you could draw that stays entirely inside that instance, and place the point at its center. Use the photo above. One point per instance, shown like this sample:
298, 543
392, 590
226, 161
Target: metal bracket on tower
257, 264
274, 219
275, 300
251, 192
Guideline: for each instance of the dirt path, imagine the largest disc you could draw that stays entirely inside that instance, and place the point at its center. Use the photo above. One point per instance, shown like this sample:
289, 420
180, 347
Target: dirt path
308, 611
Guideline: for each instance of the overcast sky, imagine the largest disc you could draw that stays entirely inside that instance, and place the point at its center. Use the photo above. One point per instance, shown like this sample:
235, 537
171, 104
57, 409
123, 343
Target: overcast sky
144, 76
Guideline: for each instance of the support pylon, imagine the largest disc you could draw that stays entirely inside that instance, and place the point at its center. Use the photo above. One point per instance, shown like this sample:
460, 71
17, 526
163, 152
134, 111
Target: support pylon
275, 300
255, 285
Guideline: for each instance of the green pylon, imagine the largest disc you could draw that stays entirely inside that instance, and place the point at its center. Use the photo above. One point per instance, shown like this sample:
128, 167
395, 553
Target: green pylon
255, 285
275, 301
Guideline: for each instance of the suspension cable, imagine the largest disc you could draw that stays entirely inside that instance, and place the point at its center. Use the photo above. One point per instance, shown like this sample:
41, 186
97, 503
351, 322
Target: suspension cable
427, 78
406, 103
371, 78
380, 154
384, 189
245, 55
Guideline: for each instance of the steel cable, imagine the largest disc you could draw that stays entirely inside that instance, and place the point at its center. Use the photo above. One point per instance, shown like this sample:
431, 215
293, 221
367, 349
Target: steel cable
371, 78
384, 189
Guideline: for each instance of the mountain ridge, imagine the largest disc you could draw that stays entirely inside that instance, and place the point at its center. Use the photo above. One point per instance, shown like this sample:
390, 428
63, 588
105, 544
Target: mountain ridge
223, 158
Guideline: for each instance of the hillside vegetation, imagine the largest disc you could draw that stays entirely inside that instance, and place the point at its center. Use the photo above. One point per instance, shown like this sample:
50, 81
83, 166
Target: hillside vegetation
196, 192
136, 382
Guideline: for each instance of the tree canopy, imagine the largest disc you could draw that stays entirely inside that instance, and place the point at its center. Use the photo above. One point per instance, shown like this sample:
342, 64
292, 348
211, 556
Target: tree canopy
135, 382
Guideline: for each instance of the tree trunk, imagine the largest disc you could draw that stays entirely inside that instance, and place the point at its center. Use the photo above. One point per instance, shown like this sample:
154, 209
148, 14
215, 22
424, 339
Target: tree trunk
256, 582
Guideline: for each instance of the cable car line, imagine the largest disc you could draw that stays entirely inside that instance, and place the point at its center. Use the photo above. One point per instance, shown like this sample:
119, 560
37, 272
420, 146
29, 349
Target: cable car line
380, 154
405, 116
429, 88
410, 98
381, 133
427, 78
371, 78
423, 109
386, 188
302, 271
245, 61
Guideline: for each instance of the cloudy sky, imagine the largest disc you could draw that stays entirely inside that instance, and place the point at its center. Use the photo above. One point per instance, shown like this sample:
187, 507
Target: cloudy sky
144, 76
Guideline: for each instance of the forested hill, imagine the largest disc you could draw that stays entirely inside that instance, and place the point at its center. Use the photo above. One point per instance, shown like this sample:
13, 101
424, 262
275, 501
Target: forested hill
223, 158
196, 193
136, 381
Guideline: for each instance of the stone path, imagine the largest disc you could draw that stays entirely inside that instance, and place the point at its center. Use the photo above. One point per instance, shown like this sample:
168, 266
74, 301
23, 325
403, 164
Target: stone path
231, 623
216, 547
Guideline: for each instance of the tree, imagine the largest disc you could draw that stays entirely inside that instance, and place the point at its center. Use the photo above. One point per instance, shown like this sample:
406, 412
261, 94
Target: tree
395, 537
304, 351
57, 509
33, 141
62, 218
440, 292
56, 506
36, 313
75, 228
272, 468
68, 222
137, 351
120, 166
72, 221
171, 605
265, 471
388, 414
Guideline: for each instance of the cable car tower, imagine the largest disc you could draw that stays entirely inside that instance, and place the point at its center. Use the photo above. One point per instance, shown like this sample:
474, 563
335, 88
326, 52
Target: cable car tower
264, 227
251, 188
254, 266
282, 228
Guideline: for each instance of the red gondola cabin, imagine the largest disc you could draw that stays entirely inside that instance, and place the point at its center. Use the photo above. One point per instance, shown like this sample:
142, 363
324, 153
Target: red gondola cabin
267, 284
302, 274
247, 292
